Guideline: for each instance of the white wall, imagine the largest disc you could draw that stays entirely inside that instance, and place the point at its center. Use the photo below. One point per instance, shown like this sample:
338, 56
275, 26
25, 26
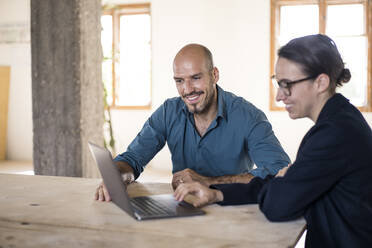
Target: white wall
236, 31
15, 51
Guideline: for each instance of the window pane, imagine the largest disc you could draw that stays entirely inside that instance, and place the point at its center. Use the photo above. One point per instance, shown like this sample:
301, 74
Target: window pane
135, 61
354, 53
345, 19
298, 20
106, 41
106, 35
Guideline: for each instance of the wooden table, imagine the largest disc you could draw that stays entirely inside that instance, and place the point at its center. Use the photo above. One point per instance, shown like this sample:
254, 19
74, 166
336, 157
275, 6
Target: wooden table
44, 211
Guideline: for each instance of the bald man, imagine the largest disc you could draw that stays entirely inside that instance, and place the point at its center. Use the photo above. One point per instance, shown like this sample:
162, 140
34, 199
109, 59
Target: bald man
214, 136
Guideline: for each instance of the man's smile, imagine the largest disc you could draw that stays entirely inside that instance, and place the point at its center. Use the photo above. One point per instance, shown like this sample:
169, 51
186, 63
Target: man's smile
193, 98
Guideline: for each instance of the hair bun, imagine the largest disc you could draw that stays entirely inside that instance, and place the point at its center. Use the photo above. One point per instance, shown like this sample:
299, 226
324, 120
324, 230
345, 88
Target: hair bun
344, 77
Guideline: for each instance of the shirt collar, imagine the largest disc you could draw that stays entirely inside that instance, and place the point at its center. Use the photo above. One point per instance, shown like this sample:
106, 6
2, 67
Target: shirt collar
331, 106
221, 106
221, 111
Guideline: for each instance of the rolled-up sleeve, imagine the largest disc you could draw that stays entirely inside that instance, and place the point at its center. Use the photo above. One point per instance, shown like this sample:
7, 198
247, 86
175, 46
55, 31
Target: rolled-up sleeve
148, 142
264, 148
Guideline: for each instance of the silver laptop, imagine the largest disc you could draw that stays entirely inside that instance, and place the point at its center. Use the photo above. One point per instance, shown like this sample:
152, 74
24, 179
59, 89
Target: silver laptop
140, 208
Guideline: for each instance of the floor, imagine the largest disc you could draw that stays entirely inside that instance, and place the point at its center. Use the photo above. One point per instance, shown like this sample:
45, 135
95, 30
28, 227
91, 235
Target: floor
149, 175
16, 167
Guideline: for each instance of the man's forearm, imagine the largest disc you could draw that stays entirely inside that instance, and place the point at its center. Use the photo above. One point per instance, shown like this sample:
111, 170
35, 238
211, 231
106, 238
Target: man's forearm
127, 172
241, 178
124, 167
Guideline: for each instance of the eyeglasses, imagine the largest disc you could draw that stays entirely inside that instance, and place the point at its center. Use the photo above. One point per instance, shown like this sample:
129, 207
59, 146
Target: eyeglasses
285, 85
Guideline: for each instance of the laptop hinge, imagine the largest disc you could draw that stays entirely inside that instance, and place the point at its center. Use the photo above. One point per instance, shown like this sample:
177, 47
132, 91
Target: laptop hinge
138, 217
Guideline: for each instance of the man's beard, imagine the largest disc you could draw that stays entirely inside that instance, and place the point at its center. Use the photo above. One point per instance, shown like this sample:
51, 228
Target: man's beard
206, 104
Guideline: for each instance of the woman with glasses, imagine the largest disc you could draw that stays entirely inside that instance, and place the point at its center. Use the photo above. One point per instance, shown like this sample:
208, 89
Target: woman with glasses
330, 182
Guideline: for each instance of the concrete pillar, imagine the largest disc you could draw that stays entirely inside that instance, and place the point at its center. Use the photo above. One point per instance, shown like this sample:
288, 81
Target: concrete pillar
67, 92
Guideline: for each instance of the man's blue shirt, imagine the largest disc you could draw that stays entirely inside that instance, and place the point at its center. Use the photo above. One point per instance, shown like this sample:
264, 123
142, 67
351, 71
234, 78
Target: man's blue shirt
239, 137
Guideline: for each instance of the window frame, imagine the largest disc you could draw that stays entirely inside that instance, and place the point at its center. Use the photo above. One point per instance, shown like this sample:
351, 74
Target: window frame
116, 11
274, 30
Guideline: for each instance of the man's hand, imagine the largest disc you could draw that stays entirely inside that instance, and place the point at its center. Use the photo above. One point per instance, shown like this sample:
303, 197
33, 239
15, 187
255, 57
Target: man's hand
188, 176
283, 171
102, 193
203, 195
127, 178
127, 175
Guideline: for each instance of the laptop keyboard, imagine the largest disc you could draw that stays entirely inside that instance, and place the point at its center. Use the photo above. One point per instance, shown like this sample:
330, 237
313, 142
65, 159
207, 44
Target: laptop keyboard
148, 206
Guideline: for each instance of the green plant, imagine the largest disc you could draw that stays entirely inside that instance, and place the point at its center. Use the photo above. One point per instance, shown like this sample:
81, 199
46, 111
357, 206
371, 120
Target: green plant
109, 140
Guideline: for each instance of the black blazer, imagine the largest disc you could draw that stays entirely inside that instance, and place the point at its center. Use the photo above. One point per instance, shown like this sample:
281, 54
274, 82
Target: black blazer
330, 183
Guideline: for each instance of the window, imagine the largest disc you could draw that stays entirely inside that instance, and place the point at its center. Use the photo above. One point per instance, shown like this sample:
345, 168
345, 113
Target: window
347, 22
126, 45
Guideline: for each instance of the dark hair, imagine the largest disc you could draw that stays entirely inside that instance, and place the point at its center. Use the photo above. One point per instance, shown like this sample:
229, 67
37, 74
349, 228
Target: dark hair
317, 54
